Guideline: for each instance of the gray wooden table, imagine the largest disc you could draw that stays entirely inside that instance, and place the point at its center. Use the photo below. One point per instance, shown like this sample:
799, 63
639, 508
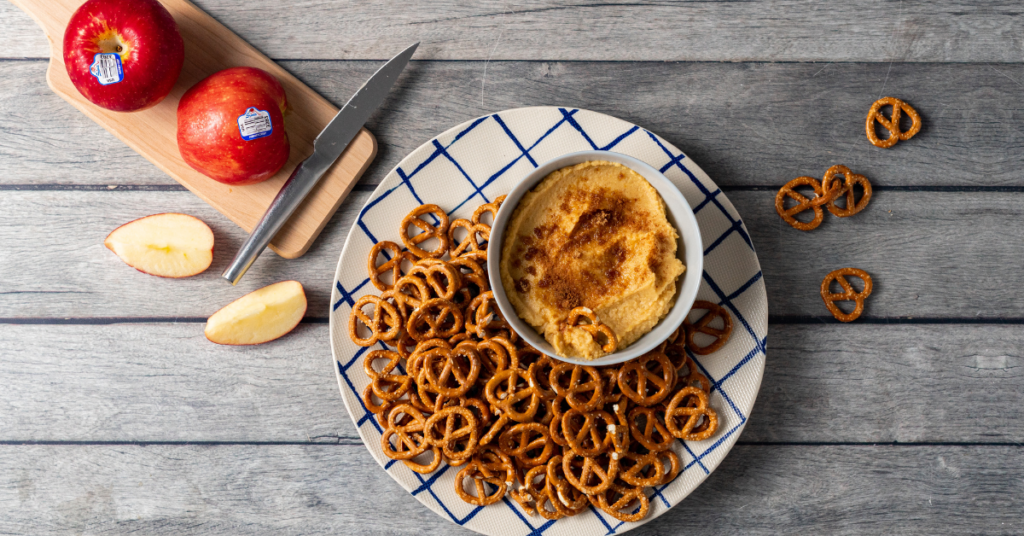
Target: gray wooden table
117, 416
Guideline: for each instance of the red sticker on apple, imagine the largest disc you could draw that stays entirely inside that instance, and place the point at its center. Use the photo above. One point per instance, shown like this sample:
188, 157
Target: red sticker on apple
254, 124
107, 68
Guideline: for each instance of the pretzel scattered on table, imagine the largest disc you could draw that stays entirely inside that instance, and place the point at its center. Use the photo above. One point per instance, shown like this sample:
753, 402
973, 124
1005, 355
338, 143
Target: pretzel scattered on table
830, 298
453, 382
892, 124
826, 193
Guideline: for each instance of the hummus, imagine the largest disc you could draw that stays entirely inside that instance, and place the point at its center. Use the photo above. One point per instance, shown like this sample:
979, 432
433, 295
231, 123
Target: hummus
591, 235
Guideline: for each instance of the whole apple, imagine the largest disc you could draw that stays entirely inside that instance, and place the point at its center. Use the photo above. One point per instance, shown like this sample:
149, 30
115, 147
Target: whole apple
123, 55
231, 126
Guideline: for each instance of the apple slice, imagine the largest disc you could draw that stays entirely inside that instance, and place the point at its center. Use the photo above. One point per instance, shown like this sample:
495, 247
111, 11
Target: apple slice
260, 316
165, 245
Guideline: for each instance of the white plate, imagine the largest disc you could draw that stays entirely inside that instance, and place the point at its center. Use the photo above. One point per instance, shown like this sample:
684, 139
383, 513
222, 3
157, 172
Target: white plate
481, 159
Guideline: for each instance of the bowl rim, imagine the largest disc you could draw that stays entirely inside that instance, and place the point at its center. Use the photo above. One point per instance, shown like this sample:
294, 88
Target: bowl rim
679, 213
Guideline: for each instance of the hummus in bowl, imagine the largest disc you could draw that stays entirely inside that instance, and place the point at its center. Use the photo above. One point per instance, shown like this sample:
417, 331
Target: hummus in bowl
592, 235
596, 232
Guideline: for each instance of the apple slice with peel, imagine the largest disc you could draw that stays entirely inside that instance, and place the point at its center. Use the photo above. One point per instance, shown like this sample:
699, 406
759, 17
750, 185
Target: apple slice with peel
165, 245
260, 316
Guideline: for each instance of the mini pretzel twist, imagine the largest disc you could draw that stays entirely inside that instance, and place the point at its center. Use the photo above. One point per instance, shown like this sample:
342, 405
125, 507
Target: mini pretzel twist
641, 469
623, 502
803, 203
443, 278
652, 434
477, 235
529, 442
852, 206
588, 433
567, 381
488, 466
587, 474
848, 293
393, 263
566, 499
440, 231
453, 429
409, 433
384, 323
594, 328
451, 373
436, 317
387, 386
703, 325
491, 208
893, 123
649, 379
508, 390
700, 422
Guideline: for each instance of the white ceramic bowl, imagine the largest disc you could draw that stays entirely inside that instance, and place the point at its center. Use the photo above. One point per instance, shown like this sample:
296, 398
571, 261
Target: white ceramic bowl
679, 214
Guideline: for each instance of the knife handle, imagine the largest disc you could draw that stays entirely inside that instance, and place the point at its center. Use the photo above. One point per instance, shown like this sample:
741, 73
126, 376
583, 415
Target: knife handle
295, 189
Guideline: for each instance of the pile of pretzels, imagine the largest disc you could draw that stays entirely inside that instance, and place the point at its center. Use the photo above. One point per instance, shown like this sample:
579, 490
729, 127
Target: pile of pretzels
451, 381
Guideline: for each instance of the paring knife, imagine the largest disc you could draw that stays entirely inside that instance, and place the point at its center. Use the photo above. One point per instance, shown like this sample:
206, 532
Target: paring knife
327, 146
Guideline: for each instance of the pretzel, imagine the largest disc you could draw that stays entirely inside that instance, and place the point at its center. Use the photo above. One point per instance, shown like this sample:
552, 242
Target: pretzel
442, 278
508, 390
641, 470
490, 466
436, 317
566, 379
410, 292
458, 440
566, 499
652, 434
848, 293
802, 203
386, 386
484, 319
429, 231
703, 325
701, 421
522, 439
589, 475
620, 501
491, 208
473, 241
594, 328
447, 374
411, 440
590, 433
384, 325
393, 263
852, 207
653, 375
892, 124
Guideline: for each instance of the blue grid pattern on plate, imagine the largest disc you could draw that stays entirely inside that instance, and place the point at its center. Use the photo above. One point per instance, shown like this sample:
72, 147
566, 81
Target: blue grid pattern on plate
567, 120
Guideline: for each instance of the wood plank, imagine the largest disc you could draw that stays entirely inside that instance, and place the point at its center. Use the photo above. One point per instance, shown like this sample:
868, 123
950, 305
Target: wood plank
932, 255
777, 30
166, 382
210, 47
745, 124
330, 489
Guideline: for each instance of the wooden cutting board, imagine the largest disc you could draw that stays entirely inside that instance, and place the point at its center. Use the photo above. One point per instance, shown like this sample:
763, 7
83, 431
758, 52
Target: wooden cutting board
210, 47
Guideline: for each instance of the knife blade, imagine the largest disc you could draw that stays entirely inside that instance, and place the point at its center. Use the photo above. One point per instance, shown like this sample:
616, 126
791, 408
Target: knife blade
327, 147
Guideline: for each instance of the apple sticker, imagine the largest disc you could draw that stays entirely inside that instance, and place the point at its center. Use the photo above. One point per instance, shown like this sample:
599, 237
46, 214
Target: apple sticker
254, 124
107, 68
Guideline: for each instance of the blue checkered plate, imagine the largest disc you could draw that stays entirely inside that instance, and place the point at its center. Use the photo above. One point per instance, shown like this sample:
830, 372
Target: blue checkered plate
479, 160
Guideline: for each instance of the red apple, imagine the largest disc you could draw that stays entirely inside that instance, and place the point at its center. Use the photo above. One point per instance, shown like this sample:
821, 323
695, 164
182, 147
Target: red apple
123, 55
231, 126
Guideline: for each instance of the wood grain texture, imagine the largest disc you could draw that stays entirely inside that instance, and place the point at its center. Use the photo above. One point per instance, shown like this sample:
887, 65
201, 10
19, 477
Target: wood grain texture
932, 255
777, 30
330, 489
745, 124
209, 48
166, 382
